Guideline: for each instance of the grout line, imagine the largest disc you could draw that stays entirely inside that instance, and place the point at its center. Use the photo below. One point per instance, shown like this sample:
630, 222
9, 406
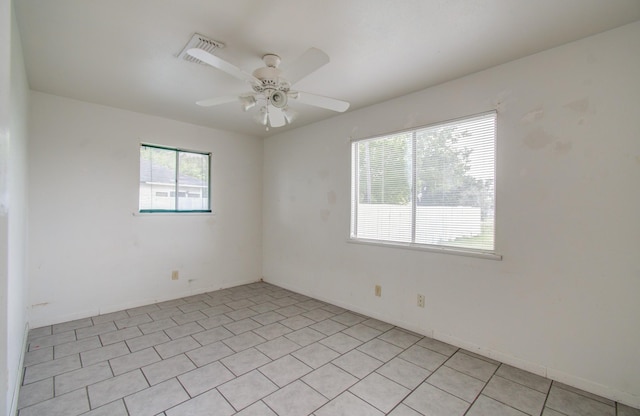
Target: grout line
483, 388
546, 397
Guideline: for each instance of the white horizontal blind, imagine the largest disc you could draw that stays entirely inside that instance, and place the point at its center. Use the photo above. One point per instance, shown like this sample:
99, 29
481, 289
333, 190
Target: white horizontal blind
430, 186
384, 188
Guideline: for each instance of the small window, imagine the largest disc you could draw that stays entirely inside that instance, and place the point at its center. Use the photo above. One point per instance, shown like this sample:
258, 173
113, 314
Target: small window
431, 186
174, 180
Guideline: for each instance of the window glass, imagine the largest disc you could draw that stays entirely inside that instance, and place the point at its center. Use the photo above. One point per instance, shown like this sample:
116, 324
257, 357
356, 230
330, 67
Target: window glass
173, 180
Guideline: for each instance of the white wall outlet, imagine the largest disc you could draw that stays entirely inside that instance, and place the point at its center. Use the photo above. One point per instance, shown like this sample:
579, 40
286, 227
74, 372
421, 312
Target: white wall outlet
421, 301
175, 275
378, 290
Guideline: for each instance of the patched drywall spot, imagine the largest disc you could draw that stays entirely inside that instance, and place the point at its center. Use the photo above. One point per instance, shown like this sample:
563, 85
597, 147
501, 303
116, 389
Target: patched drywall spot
581, 105
331, 197
323, 174
533, 115
324, 214
562, 148
500, 101
119, 154
538, 139
410, 121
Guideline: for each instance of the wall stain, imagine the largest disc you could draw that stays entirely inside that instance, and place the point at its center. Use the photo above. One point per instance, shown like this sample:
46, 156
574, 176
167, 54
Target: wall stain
331, 197
581, 105
538, 139
562, 148
323, 173
324, 214
533, 115
411, 121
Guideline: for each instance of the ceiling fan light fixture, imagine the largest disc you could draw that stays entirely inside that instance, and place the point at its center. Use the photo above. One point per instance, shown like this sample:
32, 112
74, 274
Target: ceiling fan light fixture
278, 99
289, 114
263, 116
247, 102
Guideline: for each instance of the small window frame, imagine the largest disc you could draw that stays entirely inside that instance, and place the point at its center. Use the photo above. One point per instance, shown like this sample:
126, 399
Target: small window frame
176, 192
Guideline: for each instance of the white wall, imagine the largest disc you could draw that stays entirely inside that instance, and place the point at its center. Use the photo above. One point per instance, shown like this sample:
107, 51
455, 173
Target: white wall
14, 92
564, 301
5, 86
89, 253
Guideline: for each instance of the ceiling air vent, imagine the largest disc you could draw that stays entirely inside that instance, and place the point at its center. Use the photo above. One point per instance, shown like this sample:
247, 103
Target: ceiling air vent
200, 42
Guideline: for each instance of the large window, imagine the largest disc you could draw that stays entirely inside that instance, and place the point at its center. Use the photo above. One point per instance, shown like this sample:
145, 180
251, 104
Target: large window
173, 180
429, 187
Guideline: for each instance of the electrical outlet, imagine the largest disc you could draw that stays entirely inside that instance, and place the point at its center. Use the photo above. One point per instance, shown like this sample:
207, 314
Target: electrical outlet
175, 275
378, 290
421, 301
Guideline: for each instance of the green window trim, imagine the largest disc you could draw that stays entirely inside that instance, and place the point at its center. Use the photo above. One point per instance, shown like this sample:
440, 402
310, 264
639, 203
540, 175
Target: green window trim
174, 180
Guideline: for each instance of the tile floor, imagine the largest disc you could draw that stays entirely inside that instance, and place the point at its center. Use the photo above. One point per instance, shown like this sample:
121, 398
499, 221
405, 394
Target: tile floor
261, 350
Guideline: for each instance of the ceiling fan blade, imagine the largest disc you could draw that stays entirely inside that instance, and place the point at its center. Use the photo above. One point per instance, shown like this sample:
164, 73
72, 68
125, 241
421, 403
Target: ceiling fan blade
307, 63
222, 65
323, 102
210, 102
276, 117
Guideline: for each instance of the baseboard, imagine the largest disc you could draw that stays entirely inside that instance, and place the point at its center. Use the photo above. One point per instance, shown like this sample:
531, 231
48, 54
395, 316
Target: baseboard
541, 370
134, 304
16, 390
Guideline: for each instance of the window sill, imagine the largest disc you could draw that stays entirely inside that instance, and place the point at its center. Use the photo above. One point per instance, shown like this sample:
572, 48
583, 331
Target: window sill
172, 213
432, 249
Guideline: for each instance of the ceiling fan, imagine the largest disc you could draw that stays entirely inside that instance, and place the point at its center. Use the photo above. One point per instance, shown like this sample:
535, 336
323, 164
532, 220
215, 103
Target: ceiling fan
272, 86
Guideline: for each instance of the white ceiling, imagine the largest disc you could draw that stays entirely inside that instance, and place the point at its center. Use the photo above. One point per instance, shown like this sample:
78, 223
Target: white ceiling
122, 53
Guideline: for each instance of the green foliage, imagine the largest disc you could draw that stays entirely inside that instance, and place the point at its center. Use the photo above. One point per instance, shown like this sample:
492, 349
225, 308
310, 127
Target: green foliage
193, 165
442, 170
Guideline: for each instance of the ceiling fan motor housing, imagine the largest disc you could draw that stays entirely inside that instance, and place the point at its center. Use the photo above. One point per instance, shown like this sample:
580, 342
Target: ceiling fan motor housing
272, 86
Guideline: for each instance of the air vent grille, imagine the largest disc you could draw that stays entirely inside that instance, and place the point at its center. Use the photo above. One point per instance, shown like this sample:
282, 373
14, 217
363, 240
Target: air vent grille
200, 42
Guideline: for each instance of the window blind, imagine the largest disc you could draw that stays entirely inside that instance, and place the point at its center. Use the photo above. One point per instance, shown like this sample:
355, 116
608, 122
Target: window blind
434, 185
